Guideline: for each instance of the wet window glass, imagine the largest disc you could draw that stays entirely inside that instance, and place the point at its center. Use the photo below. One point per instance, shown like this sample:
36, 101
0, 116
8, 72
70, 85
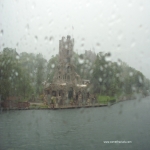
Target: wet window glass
74, 74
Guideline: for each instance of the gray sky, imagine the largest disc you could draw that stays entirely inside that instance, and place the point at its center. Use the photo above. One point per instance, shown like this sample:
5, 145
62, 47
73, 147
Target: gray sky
121, 27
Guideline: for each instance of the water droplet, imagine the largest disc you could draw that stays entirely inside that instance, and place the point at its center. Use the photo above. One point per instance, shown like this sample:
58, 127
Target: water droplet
46, 38
101, 68
131, 74
36, 38
100, 79
140, 26
133, 88
81, 61
53, 65
140, 79
27, 28
31, 75
105, 65
117, 75
2, 32
51, 39
16, 73
50, 22
17, 44
91, 71
82, 45
119, 62
118, 45
98, 44
17, 57
107, 58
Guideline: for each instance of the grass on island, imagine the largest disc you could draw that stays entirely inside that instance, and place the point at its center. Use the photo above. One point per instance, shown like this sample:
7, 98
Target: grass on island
105, 99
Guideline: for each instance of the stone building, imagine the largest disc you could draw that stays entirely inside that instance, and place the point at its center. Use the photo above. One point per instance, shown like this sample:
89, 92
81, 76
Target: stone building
67, 85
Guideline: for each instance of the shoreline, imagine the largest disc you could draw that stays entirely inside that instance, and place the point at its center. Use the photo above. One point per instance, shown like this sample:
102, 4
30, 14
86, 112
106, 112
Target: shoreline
73, 107
58, 108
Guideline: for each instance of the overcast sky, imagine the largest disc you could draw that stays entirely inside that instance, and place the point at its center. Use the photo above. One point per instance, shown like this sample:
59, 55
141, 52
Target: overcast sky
121, 27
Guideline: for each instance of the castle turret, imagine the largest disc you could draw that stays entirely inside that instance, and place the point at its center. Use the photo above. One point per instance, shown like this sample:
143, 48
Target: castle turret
66, 49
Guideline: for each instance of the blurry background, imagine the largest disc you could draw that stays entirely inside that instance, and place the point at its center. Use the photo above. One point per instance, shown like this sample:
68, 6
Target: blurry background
119, 27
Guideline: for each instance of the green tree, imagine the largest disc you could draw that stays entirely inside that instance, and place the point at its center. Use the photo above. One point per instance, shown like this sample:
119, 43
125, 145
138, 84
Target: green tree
40, 72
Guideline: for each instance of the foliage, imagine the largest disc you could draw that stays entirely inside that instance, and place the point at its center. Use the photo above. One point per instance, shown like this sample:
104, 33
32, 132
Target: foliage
111, 78
40, 73
12, 78
23, 74
52, 63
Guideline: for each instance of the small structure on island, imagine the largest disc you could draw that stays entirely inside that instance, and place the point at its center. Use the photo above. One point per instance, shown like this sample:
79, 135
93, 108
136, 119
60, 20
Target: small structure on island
67, 86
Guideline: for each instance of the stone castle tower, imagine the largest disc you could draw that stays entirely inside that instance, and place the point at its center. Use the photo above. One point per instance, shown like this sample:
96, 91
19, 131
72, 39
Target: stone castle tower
66, 84
65, 71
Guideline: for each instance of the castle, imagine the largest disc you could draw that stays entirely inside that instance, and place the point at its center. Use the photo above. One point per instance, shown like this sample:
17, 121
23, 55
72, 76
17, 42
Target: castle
67, 85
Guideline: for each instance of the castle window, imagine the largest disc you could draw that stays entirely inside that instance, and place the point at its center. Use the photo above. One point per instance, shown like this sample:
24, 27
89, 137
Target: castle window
54, 93
60, 92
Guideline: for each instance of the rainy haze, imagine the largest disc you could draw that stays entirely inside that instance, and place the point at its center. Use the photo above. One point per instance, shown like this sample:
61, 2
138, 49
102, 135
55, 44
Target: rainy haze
74, 74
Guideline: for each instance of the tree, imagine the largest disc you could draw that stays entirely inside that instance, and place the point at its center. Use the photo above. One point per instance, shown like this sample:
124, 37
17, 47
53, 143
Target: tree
51, 65
12, 75
40, 72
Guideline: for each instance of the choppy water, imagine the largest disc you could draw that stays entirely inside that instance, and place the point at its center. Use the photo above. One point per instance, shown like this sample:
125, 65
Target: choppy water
78, 129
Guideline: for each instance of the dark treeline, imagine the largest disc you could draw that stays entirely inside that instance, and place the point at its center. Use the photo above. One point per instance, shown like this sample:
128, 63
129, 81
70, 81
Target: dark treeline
23, 74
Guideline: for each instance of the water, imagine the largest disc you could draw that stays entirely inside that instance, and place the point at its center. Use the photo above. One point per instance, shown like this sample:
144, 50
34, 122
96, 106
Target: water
78, 129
